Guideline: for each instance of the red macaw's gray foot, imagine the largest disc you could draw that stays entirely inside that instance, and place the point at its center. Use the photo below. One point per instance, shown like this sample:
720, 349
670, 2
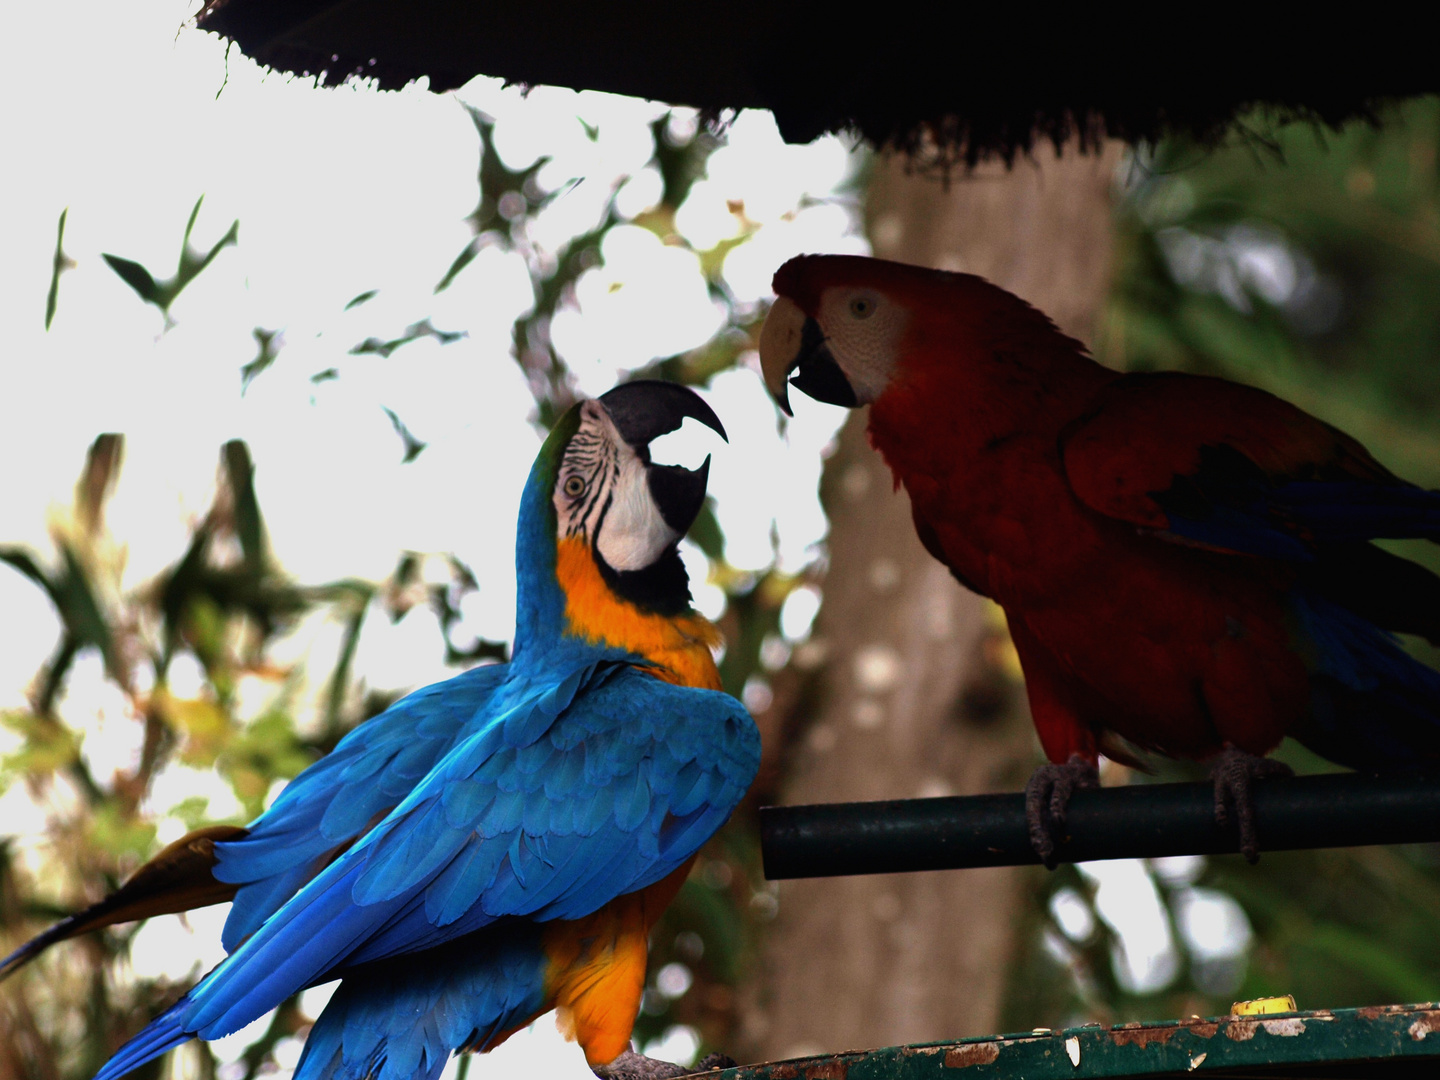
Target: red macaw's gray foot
633, 1066
1235, 773
1047, 797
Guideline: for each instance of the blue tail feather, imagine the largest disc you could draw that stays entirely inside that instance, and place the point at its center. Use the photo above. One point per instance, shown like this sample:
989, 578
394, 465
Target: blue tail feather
255, 903
402, 1019
1374, 707
165, 1032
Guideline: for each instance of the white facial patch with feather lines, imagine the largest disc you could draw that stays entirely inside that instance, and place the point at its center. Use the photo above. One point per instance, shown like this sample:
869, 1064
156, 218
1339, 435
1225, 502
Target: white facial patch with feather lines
633, 532
587, 473
603, 495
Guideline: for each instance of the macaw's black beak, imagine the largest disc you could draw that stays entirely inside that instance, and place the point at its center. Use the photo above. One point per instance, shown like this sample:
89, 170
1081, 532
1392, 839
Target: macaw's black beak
817, 373
792, 343
643, 411
678, 492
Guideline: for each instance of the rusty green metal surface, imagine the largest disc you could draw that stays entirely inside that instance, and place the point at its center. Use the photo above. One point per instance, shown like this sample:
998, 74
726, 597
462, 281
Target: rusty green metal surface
1383, 1041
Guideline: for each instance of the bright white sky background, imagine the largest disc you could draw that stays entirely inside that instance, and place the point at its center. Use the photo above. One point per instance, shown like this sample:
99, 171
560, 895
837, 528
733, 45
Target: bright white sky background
126, 117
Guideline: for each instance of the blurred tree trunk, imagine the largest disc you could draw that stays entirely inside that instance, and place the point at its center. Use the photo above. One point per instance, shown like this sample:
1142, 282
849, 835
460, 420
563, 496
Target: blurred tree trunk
906, 705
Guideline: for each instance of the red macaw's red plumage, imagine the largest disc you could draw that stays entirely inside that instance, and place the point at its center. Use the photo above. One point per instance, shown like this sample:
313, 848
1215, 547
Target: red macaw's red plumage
1184, 562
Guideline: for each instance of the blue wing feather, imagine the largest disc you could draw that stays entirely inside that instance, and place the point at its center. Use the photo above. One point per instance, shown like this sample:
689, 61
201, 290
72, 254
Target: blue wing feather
436, 868
566, 772
1351, 510
453, 892
400, 1019
165, 1032
333, 801
1229, 503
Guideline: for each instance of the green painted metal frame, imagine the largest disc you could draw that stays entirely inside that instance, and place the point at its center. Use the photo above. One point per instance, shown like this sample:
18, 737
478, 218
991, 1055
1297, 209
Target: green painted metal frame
1392, 1040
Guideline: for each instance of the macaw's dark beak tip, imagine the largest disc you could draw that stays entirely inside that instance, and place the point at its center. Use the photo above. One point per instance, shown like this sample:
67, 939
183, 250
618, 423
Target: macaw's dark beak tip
645, 409
783, 399
679, 492
820, 377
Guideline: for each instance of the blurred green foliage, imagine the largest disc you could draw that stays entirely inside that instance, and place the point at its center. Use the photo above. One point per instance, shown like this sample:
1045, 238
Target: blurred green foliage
1311, 269
268, 345
223, 603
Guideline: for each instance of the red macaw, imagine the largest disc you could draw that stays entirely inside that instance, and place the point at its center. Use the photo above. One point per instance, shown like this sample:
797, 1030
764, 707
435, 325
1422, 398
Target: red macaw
1184, 561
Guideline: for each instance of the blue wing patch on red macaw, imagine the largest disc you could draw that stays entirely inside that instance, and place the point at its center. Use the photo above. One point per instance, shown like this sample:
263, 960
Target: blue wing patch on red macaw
1373, 706
1228, 503
1234, 470
636, 774
1341, 511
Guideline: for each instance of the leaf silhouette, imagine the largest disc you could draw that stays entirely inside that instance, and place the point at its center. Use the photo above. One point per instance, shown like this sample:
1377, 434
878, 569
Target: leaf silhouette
163, 293
269, 343
58, 266
137, 277
413, 446
414, 332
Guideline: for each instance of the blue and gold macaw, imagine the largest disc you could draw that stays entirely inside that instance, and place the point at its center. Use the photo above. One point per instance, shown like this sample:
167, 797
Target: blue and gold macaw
500, 844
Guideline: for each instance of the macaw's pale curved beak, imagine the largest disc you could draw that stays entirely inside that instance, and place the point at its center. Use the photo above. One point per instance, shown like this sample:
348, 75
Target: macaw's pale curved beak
780, 348
644, 410
791, 341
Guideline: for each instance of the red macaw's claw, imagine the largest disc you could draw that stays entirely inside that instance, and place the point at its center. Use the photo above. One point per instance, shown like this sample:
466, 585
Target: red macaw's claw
1047, 797
1235, 772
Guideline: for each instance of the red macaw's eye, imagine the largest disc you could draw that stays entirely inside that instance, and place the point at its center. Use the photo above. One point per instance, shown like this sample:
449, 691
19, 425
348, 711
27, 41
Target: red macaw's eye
862, 307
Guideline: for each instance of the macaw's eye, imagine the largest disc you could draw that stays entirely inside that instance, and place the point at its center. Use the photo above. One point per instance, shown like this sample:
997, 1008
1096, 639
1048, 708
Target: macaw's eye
862, 307
574, 486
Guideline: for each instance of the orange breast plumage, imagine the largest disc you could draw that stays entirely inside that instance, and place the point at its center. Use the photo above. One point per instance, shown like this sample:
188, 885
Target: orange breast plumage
679, 646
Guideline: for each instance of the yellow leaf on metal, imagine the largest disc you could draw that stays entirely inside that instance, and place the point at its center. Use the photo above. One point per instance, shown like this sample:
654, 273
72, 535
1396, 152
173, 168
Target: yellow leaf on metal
1263, 1006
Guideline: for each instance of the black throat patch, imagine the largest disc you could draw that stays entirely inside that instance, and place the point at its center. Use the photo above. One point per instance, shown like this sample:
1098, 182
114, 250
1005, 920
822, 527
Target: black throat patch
662, 588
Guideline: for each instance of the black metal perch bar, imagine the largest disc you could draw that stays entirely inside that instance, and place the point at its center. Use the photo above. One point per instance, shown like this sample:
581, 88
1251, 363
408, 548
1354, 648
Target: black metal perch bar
1138, 821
